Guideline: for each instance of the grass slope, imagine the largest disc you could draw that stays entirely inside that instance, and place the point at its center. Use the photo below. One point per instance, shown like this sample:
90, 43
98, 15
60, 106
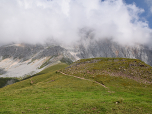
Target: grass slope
54, 93
98, 67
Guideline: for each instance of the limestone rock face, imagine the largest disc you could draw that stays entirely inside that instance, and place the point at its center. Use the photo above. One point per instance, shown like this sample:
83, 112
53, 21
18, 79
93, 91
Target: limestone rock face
21, 60
91, 47
107, 48
19, 51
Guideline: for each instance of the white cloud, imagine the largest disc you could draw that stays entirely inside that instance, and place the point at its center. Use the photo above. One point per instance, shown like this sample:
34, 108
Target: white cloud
149, 3
37, 20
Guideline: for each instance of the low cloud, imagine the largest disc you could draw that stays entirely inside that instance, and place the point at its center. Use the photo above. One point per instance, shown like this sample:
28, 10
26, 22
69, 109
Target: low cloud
34, 21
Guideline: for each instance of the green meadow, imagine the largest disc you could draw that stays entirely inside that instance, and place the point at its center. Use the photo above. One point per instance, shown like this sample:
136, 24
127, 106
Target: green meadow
88, 86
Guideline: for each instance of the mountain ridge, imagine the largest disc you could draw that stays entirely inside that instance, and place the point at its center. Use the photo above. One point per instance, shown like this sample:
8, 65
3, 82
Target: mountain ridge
31, 58
21, 61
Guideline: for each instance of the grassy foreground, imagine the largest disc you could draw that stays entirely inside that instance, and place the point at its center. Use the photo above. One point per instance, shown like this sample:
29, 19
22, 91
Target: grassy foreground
50, 92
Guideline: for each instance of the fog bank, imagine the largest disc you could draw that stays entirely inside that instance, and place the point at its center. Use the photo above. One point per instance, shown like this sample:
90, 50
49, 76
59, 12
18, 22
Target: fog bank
35, 21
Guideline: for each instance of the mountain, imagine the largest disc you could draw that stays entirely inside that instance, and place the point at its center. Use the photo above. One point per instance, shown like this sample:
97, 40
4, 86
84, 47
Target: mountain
22, 60
91, 47
108, 48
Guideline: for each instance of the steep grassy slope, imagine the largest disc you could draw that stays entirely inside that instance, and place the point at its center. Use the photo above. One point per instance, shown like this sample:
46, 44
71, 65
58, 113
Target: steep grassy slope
50, 91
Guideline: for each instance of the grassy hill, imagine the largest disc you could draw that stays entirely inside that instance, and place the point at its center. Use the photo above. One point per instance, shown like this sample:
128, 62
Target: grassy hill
117, 67
99, 85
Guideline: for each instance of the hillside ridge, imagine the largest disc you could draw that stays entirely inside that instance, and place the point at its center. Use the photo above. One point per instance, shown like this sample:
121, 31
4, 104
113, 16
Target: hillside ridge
50, 91
97, 67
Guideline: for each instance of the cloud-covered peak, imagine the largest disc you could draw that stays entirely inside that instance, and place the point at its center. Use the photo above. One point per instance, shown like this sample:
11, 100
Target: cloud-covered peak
33, 21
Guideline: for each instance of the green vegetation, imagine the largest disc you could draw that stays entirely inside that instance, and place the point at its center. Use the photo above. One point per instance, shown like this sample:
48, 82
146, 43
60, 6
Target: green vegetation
50, 91
46, 62
66, 60
3, 81
33, 59
130, 68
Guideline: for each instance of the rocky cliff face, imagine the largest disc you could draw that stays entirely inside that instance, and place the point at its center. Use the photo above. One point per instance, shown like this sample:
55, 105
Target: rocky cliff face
108, 48
21, 60
91, 47
19, 51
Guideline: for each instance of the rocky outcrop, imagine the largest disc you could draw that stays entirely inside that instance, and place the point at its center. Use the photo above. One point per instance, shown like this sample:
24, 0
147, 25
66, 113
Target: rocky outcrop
107, 48
19, 51
22, 60
91, 47
2, 71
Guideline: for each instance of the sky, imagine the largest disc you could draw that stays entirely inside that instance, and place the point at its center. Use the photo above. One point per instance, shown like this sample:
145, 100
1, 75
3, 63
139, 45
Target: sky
127, 22
147, 6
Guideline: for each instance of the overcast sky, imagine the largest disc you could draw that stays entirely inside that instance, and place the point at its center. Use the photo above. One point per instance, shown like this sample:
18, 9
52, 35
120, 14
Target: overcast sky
34, 21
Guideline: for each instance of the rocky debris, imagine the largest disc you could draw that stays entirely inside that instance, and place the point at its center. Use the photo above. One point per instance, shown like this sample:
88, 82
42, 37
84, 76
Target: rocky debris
79, 63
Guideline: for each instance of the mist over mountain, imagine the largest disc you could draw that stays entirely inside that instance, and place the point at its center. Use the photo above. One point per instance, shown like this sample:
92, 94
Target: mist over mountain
21, 60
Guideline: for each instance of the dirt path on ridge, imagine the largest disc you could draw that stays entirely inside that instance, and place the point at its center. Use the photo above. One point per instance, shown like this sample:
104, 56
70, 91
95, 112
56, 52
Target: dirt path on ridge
83, 79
